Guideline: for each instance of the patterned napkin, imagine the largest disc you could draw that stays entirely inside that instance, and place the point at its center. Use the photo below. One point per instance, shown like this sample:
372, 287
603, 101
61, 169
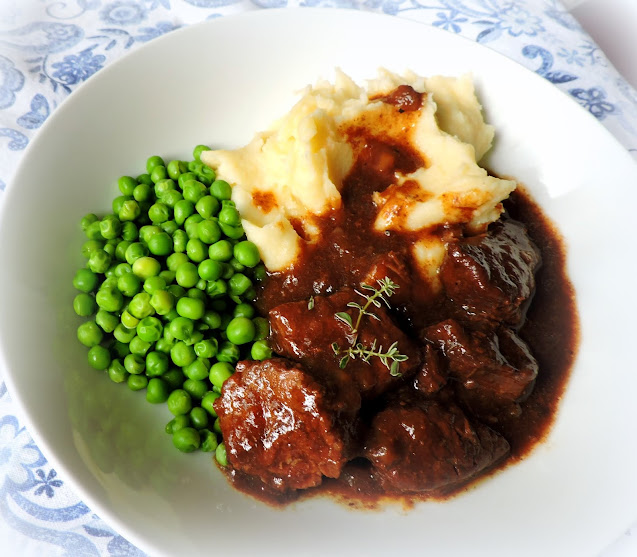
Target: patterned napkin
49, 47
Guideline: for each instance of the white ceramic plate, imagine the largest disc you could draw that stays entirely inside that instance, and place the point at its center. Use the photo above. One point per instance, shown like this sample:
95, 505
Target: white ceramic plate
218, 83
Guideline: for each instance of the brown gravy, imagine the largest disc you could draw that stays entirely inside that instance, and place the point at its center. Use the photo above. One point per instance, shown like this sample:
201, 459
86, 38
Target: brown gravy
342, 259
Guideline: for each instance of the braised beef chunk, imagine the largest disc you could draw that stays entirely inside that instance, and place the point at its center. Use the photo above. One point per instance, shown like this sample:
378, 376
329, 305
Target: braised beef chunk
490, 277
422, 445
310, 336
281, 426
430, 378
494, 370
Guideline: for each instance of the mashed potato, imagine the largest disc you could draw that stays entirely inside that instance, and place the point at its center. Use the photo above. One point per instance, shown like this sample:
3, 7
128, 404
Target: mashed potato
293, 173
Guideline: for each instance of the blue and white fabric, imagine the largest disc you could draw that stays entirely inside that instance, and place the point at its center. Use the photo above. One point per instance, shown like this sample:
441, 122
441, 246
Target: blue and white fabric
50, 47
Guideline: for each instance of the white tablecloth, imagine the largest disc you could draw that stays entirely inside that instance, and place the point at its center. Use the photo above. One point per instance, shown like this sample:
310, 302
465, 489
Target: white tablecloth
49, 47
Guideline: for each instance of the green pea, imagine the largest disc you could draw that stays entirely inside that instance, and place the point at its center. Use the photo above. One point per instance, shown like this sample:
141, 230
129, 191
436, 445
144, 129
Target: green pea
147, 231
216, 426
191, 226
152, 162
209, 440
212, 319
107, 321
207, 206
99, 357
198, 418
219, 373
229, 214
209, 269
149, 329
140, 306
232, 232
221, 189
157, 391
99, 261
135, 251
119, 349
159, 212
216, 288
262, 326
157, 363
221, 455
186, 275
145, 267
90, 246
159, 173
123, 269
174, 377
186, 440
129, 211
260, 350
181, 354
182, 210
196, 153
152, 284
164, 186
247, 253
84, 304
162, 301
169, 227
89, 334
191, 308
137, 382
208, 403
221, 251
177, 292
240, 330
120, 250
85, 280
142, 192
144, 179
206, 348
124, 334
198, 369
129, 321
130, 232
110, 227
175, 259
109, 299
178, 422
228, 352
243, 310
175, 168
180, 240
196, 250
87, 220
179, 402
208, 231
238, 283
117, 372
139, 346
184, 177
164, 345
93, 231
118, 203
129, 284
135, 364
168, 276
196, 388
126, 185
194, 190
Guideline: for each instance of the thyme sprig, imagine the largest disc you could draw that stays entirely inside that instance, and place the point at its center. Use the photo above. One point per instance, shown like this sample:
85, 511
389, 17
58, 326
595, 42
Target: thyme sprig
392, 357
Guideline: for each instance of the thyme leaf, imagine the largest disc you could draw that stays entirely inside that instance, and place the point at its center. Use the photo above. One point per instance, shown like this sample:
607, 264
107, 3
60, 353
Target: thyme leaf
392, 357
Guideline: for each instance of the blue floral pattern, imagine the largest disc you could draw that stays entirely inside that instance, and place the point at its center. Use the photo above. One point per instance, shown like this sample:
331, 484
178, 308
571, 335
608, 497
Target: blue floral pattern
50, 47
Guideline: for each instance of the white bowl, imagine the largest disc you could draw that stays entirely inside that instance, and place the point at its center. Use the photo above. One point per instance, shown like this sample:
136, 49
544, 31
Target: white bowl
218, 83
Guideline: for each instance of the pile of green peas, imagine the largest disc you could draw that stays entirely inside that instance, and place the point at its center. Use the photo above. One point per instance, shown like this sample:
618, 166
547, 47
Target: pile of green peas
168, 287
